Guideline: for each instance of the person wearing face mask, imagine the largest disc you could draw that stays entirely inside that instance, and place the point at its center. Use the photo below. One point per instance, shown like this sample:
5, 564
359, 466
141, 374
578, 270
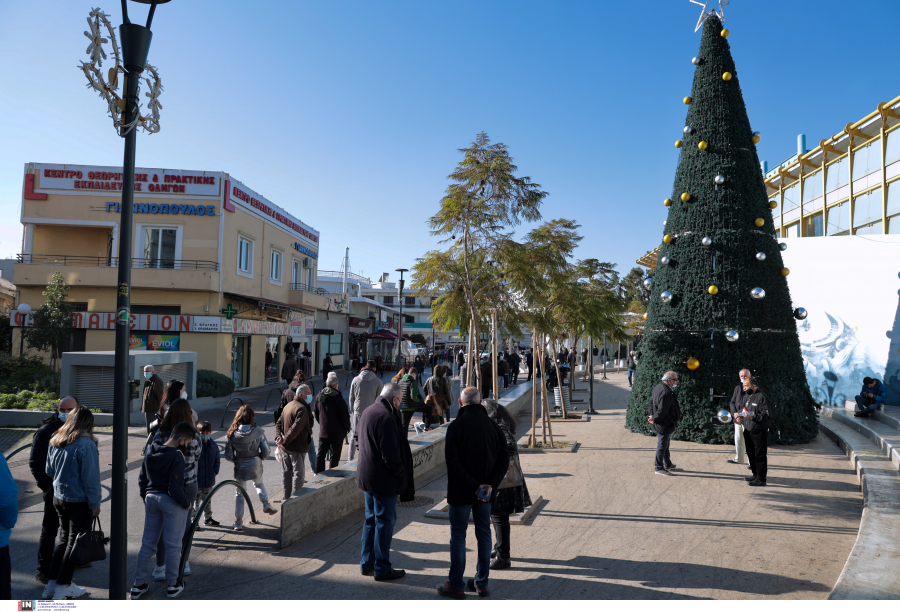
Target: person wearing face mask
166, 503
37, 463
207, 470
384, 472
152, 395
293, 433
246, 448
664, 415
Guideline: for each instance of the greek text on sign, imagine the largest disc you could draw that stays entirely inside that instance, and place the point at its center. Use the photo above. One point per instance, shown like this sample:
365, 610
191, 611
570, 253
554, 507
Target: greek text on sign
247, 198
71, 177
164, 209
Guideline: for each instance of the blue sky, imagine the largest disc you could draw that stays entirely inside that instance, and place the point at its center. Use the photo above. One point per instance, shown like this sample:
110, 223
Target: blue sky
350, 114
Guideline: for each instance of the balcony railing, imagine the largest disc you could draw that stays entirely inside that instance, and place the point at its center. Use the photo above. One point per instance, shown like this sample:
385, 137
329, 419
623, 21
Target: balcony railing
113, 262
305, 287
339, 274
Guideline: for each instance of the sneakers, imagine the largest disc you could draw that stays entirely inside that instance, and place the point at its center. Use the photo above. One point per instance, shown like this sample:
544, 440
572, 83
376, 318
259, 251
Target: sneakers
187, 568
672, 468
174, 591
159, 573
447, 590
470, 584
661, 472
69, 591
211, 522
138, 591
268, 509
41, 577
49, 590
238, 526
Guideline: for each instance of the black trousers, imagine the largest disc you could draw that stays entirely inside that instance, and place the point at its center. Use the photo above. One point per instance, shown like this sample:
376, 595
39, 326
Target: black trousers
150, 417
529, 374
324, 446
501, 535
74, 518
5, 574
757, 443
49, 528
515, 375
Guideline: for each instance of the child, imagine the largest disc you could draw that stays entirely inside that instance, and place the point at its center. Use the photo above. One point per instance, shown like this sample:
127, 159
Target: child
207, 470
246, 448
162, 488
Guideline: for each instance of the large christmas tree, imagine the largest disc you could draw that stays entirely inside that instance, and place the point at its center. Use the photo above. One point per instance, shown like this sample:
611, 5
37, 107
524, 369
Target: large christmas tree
719, 299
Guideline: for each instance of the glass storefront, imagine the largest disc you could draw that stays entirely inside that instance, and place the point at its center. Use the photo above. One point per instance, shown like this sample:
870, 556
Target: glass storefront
239, 356
271, 362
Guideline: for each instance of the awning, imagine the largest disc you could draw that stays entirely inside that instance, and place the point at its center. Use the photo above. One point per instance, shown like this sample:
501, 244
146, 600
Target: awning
273, 304
360, 323
382, 334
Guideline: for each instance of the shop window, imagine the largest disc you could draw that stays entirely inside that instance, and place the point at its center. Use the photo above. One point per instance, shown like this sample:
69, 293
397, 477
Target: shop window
812, 186
245, 257
159, 244
838, 220
791, 197
814, 225
275, 265
867, 208
867, 159
837, 175
334, 344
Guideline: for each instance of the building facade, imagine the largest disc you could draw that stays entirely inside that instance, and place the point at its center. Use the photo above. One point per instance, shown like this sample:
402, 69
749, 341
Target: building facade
217, 269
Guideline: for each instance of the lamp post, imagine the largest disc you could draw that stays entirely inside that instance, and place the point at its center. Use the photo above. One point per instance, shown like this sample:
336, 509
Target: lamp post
25, 311
590, 366
400, 324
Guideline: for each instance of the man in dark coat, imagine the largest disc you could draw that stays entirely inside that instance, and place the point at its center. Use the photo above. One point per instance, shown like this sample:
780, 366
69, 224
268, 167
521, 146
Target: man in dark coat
487, 378
755, 417
289, 368
477, 460
293, 433
664, 414
37, 463
333, 417
529, 362
514, 362
385, 471
736, 405
152, 395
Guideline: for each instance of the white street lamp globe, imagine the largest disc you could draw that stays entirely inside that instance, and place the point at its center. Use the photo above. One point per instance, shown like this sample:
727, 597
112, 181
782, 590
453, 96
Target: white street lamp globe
24, 309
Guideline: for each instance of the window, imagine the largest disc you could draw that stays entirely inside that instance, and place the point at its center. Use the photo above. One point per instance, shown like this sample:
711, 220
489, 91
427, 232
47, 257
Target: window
792, 230
408, 319
159, 247
334, 344
867, 208
894, 224
814, 225
409, 301
892, 149
310, 279
791, 197
275, 267
893, 199
812, 186
838, 220
836, 175
245, 257
389, 300
296, 272
867, 159
870, 228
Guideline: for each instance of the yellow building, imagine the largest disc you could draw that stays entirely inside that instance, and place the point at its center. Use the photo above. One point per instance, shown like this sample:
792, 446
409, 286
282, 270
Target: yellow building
217, 268
845, 186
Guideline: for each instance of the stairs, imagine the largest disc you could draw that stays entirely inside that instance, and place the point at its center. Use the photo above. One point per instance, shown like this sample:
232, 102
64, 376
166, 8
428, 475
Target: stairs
872, 444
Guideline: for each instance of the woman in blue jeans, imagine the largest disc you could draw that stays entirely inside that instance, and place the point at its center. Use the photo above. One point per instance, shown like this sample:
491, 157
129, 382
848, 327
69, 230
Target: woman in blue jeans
74, 465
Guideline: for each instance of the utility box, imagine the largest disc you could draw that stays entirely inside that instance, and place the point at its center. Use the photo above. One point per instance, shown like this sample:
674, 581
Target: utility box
89, 376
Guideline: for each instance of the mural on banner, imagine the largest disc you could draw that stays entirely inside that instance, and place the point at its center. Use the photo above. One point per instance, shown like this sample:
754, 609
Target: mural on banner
851, 288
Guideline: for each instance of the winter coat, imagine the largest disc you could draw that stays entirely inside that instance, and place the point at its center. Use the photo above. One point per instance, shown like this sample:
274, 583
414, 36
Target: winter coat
9, 502
289, 368
476, 453
487, 378
513, 499
75, 470
152, 395
514, 362
40, 447
385, 465
190, 456
879, 390
503, 368
162, 472
412, 399
327, 366
332, 414
295, 427
757, 403
439, 387
207, 464
246, 449
364, 390
529, 360
737, 399
664, 409
630, 363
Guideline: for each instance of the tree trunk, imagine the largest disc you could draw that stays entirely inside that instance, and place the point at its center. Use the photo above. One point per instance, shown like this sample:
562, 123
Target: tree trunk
494, 350
533, 392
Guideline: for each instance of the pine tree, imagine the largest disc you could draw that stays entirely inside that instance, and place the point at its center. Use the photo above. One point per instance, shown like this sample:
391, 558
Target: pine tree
719, 194
53, 322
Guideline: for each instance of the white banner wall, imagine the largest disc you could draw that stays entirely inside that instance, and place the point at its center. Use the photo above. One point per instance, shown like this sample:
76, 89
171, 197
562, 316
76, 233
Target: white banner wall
850, 285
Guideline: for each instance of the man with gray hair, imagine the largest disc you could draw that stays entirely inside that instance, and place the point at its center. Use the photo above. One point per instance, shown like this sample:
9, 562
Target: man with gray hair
293, 433
737, 403
333, 417
364, 390
664, 415
385, 471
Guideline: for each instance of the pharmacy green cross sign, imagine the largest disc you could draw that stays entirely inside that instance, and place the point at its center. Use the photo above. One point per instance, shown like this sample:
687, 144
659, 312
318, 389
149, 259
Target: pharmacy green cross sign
229, 312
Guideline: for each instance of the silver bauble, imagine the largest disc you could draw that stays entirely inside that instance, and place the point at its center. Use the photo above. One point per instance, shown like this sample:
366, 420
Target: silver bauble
732, 336
666, 297
696, 61
758, 293
800, 313
647, 282
706, 241
782, 246
719, 179
688, 130
760, 256
724, 416
664, 260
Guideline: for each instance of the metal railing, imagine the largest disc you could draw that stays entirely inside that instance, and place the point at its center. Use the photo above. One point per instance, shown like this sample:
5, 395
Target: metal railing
277, 390
339, 274
113, 262
18, 450
305, 287
227, 406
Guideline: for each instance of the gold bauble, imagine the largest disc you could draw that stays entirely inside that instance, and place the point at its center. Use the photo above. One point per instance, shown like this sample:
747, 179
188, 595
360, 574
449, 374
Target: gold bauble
713, 290
693, 363
726, 76
785, 271
667, 238
773, 204
667, 201
755, 138
678, 144
687, 100
724, 33
645, 316
702, 146
685, 196
760, 222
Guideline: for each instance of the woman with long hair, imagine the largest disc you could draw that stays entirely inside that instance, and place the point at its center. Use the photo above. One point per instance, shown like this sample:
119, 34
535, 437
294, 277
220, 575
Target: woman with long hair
246, 448
439, 388
74, 465
179, 411
506, 501
399, 375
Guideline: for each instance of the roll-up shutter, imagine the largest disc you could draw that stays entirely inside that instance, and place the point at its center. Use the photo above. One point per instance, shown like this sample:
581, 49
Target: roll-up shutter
94, 386
168, 371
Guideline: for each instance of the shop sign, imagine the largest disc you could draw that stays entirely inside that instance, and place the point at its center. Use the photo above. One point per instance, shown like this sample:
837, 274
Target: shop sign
137, 341
249, 326
305, 250
247, 198
155, 342
206, 324
310, 325
68, 177
147, 208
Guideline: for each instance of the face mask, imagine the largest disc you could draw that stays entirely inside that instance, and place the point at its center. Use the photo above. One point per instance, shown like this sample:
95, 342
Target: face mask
309, 399
148, 374
63, 415
204, 437
675, 385
184, 395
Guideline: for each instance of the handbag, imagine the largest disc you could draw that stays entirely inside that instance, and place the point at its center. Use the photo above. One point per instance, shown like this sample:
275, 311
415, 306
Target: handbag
514, 476
90, 545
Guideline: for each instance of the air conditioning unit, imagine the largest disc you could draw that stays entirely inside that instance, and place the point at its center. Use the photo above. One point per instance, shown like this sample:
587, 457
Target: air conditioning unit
306, 262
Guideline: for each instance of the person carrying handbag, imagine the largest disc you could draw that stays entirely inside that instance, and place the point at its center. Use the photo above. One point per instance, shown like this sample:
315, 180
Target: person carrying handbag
508, 499
438, 397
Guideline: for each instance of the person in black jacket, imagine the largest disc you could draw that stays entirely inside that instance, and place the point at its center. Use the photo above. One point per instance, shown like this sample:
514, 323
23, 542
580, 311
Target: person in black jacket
487, 377
631, 364
529, 363
333, 417
37, 463
664, 415
736, 405
384, 472
477, 460
514, 362
755, 417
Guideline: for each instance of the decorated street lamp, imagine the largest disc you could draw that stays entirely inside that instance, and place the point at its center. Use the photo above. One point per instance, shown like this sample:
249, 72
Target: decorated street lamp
400, 324
129, 60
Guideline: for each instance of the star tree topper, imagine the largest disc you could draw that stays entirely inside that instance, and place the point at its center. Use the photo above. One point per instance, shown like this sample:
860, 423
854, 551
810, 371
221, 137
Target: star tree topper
704, 13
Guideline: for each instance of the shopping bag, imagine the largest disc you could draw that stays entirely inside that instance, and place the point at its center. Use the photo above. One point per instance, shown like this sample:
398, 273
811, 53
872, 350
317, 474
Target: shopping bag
90, 545
514, 476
